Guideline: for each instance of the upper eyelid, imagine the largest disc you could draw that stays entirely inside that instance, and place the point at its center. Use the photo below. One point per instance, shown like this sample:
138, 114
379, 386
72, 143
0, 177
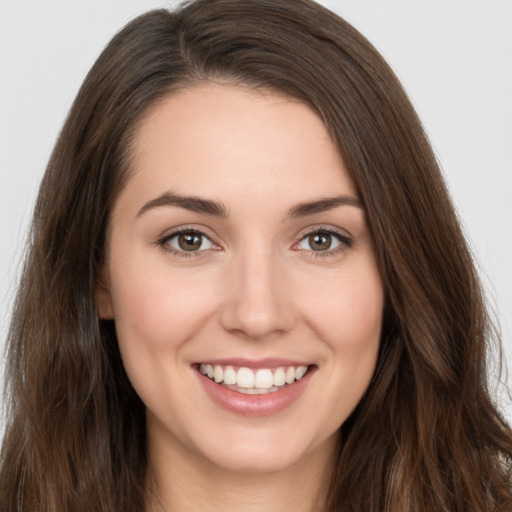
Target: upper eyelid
170, 233
304, 232
319, 228
164, 240
344, 238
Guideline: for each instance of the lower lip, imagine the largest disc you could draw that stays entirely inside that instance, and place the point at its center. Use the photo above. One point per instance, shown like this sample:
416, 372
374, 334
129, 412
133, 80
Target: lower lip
255, 405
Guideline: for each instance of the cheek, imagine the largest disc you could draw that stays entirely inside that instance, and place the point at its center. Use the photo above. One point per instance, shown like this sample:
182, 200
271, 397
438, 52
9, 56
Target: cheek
346, 310
155, 308
156, 312
347, 318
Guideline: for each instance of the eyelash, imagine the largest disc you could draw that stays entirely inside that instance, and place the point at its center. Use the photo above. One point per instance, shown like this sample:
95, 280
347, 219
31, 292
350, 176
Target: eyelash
344, 240
164, 242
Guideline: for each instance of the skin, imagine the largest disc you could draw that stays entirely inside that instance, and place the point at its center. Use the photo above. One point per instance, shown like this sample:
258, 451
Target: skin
255, 289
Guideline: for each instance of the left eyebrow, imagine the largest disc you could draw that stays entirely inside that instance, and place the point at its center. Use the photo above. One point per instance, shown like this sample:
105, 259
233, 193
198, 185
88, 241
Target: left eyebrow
191, 203
323, 205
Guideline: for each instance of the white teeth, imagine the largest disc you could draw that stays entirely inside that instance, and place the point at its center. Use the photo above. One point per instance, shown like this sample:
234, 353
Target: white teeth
245, 378
300, 372
290, 375
262, 380
229, 375
279, 377
218, 373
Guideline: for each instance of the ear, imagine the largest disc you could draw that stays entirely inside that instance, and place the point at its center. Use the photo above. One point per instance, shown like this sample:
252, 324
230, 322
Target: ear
103, 298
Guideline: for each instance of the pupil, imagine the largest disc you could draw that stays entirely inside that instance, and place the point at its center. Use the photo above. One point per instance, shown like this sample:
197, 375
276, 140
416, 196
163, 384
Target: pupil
320, 241
189, 241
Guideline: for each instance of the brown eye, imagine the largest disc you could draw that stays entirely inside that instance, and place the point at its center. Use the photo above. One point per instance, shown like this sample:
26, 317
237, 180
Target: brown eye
188, 241
322, 241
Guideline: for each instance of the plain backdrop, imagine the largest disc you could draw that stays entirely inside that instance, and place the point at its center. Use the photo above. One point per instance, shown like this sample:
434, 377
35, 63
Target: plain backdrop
454, 58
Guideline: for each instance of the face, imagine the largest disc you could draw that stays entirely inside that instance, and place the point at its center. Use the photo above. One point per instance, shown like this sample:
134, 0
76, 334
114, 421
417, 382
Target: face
242, 280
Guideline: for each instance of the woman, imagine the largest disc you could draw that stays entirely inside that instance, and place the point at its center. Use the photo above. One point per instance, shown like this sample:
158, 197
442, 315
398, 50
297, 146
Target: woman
246, 286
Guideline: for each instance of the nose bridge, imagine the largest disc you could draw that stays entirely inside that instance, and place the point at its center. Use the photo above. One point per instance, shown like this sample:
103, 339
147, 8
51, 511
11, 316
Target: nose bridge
258, 303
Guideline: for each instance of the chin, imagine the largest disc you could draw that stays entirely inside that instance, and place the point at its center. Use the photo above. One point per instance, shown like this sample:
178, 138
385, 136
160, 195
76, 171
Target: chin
262, 451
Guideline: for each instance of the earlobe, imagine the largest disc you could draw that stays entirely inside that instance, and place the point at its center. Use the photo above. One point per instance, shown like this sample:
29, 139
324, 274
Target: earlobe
103, 298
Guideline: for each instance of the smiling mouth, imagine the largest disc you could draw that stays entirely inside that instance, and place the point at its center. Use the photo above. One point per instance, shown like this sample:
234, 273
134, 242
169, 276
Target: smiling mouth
253, 381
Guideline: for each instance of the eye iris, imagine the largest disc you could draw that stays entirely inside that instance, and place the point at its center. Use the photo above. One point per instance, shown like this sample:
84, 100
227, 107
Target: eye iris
189, 241
320, 241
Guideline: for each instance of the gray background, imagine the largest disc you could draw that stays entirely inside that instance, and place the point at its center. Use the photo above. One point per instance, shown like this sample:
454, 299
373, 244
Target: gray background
454, 58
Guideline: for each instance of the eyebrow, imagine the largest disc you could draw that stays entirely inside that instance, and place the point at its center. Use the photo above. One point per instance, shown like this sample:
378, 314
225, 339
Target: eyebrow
323, 205
217, 209
192, 203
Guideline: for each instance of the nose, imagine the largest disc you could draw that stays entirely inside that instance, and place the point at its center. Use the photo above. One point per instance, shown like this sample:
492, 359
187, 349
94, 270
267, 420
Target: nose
258, 302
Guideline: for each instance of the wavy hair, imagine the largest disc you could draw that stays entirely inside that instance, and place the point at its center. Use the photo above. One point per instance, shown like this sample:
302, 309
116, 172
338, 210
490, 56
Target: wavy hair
426, 437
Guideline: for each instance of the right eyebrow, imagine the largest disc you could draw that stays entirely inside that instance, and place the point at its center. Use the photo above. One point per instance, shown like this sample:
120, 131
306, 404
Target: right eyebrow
322, 205
192, 203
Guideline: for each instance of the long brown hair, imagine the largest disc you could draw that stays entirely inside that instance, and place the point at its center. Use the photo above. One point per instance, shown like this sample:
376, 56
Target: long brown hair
425, 437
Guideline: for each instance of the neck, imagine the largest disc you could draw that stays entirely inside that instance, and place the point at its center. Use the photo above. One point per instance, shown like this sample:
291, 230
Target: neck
181, 481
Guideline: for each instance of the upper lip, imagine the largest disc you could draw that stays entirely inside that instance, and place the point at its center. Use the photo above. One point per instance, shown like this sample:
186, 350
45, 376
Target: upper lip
268, 362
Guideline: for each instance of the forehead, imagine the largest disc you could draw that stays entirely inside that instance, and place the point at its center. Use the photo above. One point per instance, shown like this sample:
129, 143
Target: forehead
219, 140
